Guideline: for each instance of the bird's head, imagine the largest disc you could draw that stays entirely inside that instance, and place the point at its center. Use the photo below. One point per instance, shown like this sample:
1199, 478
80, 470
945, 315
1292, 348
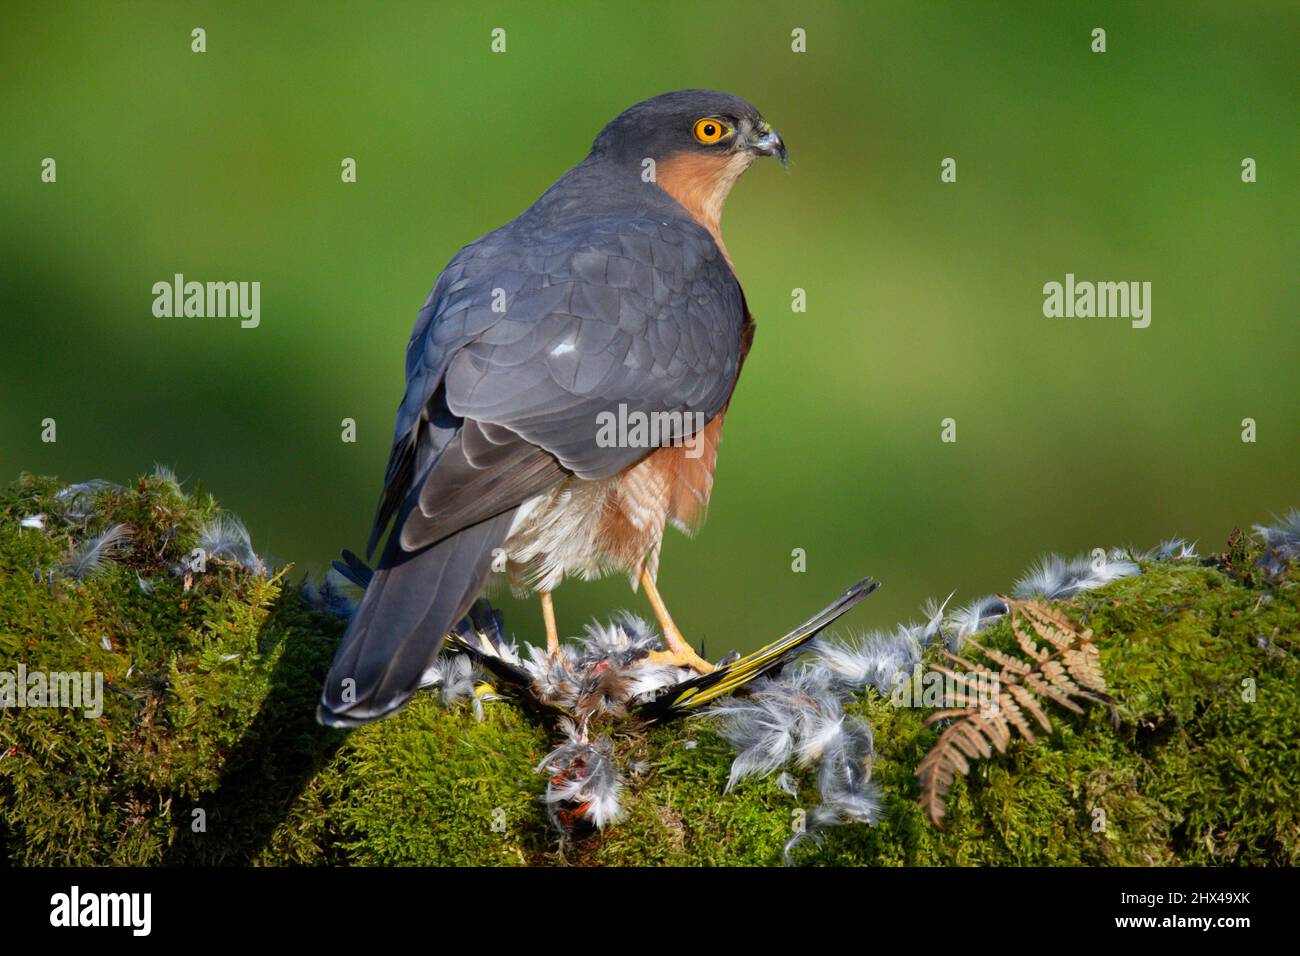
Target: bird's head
702, 123
700, 141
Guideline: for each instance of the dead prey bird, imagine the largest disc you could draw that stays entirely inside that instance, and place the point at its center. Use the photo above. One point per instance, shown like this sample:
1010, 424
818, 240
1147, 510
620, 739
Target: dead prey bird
610, 679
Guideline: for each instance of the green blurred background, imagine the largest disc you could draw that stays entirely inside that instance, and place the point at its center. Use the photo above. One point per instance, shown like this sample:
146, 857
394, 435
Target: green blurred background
924, 299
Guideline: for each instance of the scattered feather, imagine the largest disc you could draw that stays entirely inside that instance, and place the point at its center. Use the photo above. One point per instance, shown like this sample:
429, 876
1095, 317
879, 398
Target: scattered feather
1175, 549
92, 554
77, 502
226, 539
166, 475
331, 596
973, 618
455, 677
584, 785
1054, 578
872, 660
1281, 543
786, 784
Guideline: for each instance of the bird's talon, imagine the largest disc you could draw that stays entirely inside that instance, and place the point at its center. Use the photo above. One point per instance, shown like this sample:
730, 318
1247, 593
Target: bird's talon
682, 657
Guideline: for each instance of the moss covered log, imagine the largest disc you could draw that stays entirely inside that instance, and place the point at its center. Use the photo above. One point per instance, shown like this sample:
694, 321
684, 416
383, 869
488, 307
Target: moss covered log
207, 751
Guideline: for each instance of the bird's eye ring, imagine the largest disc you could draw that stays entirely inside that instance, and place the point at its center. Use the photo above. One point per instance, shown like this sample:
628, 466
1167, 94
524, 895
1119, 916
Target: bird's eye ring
710, 130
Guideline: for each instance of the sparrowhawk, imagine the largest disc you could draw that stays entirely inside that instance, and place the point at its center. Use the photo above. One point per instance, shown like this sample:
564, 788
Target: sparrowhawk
566, 383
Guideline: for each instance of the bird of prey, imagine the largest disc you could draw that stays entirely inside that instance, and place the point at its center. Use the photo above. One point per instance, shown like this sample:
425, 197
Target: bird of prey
611, 299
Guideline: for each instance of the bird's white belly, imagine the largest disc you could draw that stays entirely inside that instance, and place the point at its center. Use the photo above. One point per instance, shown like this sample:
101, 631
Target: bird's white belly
555, 534
587, 528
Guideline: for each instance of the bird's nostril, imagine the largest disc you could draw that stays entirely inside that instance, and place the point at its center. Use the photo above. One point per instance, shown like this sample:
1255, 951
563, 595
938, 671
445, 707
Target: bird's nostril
770, 144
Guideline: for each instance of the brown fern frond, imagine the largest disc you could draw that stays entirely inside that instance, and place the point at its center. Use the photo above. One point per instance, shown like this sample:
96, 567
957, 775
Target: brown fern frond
1011, 712
937, 775
1055, 672
965, 698
995, 728
1053, 626
972, 675
1084, 665
1044, 688
947, 714
950, 757
1063, 669
971, 737
1023, 638
1028, 701
966, 688
1003, 660
961, 661
1056, 619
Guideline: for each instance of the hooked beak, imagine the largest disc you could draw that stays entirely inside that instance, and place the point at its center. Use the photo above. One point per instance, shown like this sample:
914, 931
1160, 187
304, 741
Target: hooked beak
768, 143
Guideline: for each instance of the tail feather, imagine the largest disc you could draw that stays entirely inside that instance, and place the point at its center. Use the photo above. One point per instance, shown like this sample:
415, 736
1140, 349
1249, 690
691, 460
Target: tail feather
690, 695
354, 569
402, 624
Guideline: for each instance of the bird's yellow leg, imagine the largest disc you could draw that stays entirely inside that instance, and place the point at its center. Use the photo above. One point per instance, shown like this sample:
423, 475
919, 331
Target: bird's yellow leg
548, 617
679, 652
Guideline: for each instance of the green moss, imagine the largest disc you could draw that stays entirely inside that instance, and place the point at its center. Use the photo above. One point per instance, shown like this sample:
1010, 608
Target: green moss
678, 814
1185, 770
208, 690
214, 688
444, 789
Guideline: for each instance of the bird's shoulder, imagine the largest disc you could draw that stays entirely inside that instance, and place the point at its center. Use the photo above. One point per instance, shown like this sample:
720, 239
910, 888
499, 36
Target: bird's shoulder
619, 249
620, 267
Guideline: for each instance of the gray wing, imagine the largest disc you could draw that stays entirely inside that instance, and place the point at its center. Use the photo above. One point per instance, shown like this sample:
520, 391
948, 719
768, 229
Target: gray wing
525, 340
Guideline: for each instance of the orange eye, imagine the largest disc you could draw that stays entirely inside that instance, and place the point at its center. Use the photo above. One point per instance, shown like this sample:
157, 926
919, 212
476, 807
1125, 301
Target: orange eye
708, 130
